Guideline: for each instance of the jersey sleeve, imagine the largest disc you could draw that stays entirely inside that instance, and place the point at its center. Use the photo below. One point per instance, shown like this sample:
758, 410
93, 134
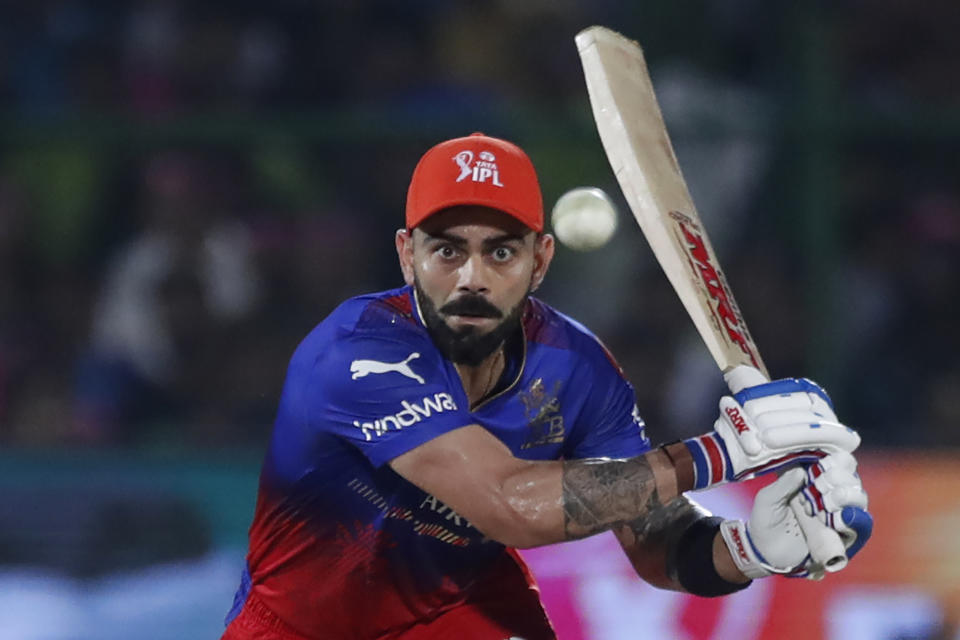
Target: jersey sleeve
609, 425
385, 395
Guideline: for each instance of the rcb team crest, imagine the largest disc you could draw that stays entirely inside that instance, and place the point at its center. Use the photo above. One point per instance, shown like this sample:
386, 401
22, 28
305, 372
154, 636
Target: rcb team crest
542, 412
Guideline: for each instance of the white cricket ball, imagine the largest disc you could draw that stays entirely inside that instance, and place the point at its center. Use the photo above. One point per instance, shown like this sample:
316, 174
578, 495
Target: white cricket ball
584, 218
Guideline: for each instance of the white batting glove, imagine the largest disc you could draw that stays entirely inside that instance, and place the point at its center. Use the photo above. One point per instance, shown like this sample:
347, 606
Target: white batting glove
833, 494
774, 540
768, 427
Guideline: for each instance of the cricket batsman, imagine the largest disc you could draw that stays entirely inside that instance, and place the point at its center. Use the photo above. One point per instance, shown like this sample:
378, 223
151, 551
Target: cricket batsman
425, 433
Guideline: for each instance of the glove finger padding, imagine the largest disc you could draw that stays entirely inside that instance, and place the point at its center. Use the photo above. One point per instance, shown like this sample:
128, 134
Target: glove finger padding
785, 418
832, 483
837, 498
797, 401
835, 489
785, 437
791, 433
833, 494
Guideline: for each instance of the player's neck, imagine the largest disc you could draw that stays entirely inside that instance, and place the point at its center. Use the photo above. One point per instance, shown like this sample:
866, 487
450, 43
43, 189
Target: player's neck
480, 380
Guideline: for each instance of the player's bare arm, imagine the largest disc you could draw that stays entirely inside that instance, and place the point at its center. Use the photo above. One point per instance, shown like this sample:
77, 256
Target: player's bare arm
650, 540
523, 503
598, 494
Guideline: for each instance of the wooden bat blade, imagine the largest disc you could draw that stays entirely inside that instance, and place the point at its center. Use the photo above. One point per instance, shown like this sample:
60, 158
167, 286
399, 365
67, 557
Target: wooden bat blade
637, 145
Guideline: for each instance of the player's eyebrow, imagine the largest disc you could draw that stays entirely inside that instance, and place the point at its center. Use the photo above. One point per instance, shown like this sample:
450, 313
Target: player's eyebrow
503, 238
445, 236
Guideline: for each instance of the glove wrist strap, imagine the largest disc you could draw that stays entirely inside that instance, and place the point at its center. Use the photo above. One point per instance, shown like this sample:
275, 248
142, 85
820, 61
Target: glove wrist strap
711, 463
749, 563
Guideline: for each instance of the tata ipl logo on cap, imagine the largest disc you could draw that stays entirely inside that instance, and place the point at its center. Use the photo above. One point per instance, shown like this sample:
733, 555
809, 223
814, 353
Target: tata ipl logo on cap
483, 170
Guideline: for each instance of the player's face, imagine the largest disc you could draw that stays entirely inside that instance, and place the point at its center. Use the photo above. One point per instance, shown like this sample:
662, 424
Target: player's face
473, 268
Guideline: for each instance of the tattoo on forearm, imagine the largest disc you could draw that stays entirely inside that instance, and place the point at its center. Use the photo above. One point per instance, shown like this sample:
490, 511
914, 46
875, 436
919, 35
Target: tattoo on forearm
665, 522
599, 494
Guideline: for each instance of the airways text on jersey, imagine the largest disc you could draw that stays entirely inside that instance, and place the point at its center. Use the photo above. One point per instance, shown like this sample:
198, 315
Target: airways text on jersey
411, 414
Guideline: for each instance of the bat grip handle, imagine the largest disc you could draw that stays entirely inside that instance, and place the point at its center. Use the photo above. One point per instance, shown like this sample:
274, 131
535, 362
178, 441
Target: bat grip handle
826, 546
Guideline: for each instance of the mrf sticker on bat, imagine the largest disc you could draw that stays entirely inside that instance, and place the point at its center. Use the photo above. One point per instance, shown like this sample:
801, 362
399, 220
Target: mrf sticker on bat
712, 281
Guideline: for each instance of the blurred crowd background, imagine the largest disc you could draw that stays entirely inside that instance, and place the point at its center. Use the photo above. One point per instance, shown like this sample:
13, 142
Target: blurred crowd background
187, 188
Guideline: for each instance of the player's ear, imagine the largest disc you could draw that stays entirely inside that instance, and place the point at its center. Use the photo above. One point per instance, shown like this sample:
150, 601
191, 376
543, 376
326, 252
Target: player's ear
543, 246
404, 242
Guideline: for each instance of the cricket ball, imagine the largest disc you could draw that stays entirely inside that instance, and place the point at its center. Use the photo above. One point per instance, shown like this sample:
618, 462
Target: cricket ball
584, 218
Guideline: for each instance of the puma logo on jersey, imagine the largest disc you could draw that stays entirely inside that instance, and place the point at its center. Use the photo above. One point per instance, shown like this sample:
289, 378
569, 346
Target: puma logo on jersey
361, 368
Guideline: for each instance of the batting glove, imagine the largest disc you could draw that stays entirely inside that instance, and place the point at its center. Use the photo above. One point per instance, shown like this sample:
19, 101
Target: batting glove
834, 495
768, 427
775, 539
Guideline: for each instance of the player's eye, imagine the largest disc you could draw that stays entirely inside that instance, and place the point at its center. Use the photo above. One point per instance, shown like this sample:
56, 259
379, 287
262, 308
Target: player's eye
446, 251
502, 254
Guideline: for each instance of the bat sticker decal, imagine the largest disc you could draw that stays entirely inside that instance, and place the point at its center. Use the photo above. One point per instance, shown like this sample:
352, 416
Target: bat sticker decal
725, 311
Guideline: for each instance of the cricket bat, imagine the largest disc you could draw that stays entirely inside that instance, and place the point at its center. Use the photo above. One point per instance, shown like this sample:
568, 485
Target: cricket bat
635, 139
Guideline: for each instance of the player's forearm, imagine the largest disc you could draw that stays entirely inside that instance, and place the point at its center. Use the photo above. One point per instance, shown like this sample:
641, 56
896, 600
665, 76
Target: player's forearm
558, 501
593, 495
523, 503
601, 494
641, 499
651, 541
655, 544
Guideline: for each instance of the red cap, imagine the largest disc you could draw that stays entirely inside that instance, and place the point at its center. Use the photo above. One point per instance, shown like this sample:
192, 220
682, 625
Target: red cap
477, 170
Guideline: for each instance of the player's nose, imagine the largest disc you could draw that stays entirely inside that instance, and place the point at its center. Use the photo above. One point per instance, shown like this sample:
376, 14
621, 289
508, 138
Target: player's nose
472, 276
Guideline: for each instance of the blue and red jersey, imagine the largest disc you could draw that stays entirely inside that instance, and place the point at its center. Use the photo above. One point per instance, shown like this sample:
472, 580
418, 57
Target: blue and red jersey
341, 546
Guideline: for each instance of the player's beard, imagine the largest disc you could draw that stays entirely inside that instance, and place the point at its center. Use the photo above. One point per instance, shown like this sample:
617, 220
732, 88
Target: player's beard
467, 345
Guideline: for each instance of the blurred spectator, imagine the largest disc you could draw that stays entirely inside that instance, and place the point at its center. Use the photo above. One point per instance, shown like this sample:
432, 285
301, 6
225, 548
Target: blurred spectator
152, 35
162, 327
261, 55
896, 57
933, 259
19, 341
901, 313
208, 288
